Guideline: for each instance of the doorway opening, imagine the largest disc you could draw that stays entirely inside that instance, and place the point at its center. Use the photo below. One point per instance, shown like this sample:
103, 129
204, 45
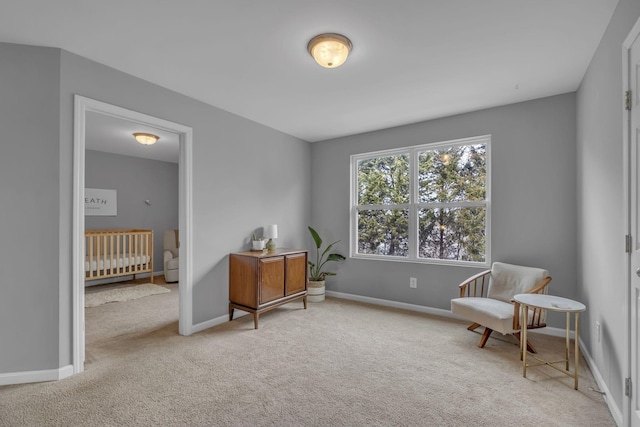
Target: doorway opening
82, 106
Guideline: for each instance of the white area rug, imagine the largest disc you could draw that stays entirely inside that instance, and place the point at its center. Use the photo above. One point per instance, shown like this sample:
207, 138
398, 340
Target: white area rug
95, 299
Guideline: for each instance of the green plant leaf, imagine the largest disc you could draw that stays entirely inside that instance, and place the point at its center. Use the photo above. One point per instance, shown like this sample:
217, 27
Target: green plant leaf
328, 248
316, 237
335, 257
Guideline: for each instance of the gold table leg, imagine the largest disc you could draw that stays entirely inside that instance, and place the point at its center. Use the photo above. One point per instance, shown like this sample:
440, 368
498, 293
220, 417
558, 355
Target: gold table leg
566, 344
524, 310
577, 352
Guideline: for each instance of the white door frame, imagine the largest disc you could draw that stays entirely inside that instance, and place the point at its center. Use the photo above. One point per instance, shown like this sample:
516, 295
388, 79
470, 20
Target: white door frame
81, 106
626, 76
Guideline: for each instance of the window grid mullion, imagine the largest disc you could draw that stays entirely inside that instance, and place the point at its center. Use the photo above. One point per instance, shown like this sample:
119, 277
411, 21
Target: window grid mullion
446, 205
383, 207
413, 211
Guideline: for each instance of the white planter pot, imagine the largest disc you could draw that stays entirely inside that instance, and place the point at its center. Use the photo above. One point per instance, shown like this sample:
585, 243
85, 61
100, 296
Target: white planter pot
315, 291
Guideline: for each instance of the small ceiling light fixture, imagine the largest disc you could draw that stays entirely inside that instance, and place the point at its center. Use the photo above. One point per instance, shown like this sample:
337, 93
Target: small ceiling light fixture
146, 138
330, 50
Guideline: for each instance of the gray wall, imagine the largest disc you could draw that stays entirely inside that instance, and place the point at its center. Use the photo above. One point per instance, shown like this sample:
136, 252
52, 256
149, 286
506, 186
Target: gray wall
601, 258
135, 180
29, 189
245, 175
533, 172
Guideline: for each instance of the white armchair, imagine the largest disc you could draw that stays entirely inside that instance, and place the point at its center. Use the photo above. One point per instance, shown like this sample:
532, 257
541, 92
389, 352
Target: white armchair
486, 299
171, 243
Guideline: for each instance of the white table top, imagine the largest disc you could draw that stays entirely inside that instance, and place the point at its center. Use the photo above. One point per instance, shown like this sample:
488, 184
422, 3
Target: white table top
550, 302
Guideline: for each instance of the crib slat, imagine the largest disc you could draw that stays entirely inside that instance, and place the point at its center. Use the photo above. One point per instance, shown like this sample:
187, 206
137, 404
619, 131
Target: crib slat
118, 252
90, 246
108, 243
149, 251
136, 240
129, 262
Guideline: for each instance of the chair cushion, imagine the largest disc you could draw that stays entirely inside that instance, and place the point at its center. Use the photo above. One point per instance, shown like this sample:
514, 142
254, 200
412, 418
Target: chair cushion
173, 264
492, 313
508, 280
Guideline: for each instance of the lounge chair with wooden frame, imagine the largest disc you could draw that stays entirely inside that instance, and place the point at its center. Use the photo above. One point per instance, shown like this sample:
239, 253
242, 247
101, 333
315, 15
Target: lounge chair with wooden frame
486, 299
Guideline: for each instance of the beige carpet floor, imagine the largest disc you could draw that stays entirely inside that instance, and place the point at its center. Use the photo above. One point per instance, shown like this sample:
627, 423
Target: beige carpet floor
339, 363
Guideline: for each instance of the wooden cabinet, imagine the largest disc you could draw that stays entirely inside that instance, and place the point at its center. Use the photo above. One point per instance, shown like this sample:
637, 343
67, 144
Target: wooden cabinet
262, 281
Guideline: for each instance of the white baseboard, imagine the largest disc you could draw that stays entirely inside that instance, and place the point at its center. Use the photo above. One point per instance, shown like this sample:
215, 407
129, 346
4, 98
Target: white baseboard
36, 376
616, 413
394, 304
556, 332
217, 321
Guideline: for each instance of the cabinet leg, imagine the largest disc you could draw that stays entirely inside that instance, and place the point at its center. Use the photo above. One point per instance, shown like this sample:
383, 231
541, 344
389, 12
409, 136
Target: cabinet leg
255, 320
304, 301
230, 313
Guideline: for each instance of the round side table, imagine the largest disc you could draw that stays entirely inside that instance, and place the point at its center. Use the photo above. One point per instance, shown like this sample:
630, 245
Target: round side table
550, 303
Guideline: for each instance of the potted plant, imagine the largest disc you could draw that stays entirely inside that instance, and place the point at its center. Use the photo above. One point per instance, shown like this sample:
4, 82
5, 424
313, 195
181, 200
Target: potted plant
317, 274
257, 243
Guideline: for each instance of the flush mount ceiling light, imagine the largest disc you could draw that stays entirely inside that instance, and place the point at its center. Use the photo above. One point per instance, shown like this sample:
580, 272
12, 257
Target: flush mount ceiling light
146, 138
330, 50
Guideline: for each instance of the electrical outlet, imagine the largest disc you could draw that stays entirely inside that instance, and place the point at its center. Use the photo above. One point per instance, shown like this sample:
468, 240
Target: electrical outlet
413, 282
597, 331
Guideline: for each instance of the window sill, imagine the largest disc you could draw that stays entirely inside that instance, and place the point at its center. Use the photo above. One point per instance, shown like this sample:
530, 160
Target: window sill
430, 261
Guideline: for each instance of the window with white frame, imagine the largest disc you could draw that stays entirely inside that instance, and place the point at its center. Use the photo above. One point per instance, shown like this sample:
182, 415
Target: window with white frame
427, 203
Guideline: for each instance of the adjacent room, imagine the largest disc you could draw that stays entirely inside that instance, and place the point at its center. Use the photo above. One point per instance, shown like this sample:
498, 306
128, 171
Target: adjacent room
131, 214
428, 150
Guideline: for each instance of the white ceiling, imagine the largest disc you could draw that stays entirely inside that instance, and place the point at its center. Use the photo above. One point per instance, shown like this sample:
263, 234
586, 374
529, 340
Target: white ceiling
412, 60
113, 135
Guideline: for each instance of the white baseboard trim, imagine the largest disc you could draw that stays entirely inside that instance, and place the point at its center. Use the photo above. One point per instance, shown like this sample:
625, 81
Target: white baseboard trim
551, 331
394, 304
217, 321
36, 376
556, 332
616, 413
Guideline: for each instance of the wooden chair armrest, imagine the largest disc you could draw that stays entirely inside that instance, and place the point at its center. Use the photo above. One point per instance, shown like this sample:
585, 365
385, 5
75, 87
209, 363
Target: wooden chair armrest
536, 317
475, 286
539, 288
